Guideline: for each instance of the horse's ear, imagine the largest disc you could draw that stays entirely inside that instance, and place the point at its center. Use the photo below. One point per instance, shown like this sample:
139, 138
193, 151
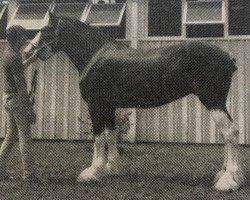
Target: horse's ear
51, 17
233, 59
50, 13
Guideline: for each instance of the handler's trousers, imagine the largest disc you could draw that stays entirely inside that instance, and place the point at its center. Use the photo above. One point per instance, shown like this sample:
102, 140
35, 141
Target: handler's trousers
18, 127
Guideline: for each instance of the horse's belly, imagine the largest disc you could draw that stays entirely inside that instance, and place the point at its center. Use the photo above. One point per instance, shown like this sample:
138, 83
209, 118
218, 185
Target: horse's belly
147, 99
136, 86
151, 90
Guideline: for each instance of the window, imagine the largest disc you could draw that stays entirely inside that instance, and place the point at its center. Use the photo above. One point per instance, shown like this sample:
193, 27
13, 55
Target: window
204, 18
204, 12
198, 18
205, 30
105, 14
72, 10
30, 16
108, 17
164, 18
239, 17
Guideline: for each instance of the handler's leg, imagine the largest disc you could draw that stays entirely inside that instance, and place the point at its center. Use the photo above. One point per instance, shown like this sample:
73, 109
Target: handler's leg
25, 145
231, 177
9, 141
97, 170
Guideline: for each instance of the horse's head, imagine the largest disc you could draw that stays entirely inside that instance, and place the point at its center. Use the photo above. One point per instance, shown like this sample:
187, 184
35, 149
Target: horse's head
77, 39
46, 41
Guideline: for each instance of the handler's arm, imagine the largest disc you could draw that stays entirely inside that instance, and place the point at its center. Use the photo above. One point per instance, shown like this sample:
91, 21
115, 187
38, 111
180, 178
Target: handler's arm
23, 97
22, 88
18, 72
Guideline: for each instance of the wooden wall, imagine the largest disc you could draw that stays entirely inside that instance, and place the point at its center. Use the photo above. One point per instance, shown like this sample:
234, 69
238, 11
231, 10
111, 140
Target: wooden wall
61, 114
188, 121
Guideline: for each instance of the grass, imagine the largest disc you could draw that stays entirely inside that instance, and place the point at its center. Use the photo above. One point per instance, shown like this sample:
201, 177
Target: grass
156, 171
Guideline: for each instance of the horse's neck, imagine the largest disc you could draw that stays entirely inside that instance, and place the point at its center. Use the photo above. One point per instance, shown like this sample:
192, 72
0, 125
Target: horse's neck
81, 56
78, 56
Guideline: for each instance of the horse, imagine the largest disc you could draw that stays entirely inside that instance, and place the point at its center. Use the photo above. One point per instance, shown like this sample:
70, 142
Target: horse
113, 76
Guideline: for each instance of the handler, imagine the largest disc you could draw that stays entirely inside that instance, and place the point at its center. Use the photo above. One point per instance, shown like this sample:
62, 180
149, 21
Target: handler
20, 113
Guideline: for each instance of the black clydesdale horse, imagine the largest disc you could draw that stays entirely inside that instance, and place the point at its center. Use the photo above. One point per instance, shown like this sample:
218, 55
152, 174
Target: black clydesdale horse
113, 75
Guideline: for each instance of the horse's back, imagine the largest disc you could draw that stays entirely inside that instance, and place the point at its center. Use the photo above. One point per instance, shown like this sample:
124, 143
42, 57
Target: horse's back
153, 77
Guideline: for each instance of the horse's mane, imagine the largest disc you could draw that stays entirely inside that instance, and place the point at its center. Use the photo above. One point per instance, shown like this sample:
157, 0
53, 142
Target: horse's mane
96, 37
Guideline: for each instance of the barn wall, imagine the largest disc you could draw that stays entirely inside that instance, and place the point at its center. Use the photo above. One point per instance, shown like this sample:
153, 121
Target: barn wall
188, 121
61, 114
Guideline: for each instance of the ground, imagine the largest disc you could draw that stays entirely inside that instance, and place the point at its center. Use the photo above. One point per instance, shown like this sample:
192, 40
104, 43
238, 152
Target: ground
157, 171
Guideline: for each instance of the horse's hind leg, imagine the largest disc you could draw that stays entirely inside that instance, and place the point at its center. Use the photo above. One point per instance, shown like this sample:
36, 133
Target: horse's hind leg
231, 176
97, 170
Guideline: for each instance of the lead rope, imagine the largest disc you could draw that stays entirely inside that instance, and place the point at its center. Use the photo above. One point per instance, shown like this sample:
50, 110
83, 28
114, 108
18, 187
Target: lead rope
32, 91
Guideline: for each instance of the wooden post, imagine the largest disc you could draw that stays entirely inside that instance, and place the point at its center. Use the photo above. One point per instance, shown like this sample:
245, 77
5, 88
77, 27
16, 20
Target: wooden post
132, 35
132, 22
134, 41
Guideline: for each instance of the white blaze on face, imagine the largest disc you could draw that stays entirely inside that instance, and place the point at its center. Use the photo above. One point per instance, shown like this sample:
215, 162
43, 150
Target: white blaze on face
46, 20
33, 43
36, 40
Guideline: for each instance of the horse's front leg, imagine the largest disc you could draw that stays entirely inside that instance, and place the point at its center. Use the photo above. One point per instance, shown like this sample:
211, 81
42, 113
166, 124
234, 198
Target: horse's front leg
97, 170
115, 165
231, 177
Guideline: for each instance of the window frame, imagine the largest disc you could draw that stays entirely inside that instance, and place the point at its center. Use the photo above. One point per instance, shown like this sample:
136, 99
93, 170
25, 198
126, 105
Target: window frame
183, 35
3, 10
12, 19
185, 13
88, 10
223, 21
83, 12
3, 20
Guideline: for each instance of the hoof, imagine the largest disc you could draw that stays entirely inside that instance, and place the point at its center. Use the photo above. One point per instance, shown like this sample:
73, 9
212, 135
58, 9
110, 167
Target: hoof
117, 168
227, 181
92, 175
219, 175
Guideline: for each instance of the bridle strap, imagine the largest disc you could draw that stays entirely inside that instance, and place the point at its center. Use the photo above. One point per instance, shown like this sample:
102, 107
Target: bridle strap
56, 38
